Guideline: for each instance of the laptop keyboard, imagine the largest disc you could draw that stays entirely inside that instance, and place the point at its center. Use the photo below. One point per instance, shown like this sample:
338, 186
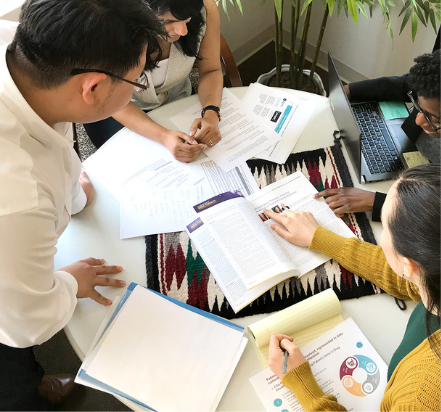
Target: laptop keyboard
376, 143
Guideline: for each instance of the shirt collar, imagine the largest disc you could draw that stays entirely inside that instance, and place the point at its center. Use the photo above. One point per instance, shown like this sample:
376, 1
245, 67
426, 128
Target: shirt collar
12, 98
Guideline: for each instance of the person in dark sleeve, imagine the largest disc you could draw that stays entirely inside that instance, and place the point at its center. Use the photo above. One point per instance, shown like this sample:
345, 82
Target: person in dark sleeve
421, 87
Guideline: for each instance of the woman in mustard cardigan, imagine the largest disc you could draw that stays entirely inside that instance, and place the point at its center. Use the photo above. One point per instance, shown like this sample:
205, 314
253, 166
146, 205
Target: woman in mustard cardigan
407, 265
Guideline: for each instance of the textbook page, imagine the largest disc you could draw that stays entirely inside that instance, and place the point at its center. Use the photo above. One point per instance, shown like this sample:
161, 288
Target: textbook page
243, 240
285, 113
136, 354
304, 321
144, 212
296, 193
344, 364
243, 134
226, 276
128, 159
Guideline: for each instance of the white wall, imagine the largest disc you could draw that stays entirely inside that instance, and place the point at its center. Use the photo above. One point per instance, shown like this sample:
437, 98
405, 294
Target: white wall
362, 51
367, 47
246, 34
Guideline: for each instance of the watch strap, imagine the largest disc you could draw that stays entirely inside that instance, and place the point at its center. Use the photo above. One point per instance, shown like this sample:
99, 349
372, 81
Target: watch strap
211, 107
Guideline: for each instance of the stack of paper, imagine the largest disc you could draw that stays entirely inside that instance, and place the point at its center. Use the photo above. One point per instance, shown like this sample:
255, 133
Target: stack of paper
163, 354
344, 364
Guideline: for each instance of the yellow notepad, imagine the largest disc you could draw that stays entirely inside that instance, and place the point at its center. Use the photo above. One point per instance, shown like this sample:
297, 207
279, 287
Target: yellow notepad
304, 321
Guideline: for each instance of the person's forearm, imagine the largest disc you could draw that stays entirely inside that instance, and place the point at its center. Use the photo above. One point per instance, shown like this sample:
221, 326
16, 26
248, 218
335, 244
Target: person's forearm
136, 120
312, 398
363, 259
210, 88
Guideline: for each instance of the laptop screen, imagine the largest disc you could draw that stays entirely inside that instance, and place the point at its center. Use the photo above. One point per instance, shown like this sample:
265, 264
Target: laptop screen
341, 108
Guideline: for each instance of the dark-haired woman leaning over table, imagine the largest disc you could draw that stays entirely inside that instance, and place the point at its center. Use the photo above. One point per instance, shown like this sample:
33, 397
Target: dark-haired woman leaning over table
407, 265
192, 35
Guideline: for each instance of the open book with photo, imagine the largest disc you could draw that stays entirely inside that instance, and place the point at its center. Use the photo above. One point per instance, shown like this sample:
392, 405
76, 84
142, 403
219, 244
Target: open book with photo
236, 242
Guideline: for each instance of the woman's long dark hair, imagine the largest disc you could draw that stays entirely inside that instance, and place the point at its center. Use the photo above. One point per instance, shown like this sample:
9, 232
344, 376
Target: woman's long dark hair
181, 10
415, 230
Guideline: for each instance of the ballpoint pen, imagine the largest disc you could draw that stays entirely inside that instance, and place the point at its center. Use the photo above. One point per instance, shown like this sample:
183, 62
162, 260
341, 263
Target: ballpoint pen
285, 362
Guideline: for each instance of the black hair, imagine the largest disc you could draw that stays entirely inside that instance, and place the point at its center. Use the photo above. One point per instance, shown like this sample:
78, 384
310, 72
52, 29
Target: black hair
424, 76
417, 212
182, 10
56, 36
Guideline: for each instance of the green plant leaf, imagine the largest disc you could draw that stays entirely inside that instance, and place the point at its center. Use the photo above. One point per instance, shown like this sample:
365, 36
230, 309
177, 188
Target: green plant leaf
405, 7
352, 7
305, 5
278, 6
414, 25
432, 19
391, 3
420, 15
239, 4
331, 4
419, 2
360, 7
224, 6
405, 19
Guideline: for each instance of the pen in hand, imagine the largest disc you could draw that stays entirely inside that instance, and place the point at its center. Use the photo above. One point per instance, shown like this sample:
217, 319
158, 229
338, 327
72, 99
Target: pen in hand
285, 361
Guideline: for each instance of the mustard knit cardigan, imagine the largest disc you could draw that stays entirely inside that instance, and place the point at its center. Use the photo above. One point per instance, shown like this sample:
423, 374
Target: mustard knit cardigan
415, 385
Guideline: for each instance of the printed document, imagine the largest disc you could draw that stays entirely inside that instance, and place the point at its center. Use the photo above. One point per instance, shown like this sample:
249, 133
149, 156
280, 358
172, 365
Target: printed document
283, 112
217, 181
129, 160
245, 256
244, 135
344, 364
145, 212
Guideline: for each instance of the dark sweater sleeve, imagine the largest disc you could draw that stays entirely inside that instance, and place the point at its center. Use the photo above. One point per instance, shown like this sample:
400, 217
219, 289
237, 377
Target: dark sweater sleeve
381, 89
378, 204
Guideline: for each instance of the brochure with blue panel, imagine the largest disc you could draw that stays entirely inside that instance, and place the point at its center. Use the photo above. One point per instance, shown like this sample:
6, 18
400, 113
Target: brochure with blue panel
163, 354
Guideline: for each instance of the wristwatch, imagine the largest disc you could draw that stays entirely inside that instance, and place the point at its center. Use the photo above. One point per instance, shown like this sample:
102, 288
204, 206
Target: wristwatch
214, 108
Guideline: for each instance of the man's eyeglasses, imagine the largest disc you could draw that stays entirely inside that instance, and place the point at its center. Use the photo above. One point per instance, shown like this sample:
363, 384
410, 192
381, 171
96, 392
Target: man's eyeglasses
140, 84
426, 116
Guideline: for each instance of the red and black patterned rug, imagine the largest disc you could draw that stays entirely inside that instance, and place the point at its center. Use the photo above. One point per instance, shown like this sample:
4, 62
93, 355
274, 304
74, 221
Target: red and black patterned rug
174, 268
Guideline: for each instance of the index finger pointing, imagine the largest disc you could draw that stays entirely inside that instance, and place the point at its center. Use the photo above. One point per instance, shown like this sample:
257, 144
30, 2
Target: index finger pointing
325, 193
277, 217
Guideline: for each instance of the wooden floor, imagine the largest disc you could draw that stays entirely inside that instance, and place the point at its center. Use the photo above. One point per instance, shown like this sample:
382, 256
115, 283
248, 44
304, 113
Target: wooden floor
264, 60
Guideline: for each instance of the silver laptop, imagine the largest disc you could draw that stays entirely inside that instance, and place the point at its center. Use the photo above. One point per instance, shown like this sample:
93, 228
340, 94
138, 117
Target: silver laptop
375, 145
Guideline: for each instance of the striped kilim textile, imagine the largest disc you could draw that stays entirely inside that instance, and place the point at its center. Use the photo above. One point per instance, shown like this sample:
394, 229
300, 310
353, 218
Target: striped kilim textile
175, 268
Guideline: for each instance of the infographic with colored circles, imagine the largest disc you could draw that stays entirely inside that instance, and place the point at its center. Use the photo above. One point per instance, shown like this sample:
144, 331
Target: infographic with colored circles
359, 375
344, 364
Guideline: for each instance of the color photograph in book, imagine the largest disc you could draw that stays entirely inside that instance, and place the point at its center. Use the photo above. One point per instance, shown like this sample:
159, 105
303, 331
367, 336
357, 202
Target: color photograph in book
243, 253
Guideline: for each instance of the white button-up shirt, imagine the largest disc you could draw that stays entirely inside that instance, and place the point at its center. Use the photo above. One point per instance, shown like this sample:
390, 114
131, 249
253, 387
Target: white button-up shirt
39, 190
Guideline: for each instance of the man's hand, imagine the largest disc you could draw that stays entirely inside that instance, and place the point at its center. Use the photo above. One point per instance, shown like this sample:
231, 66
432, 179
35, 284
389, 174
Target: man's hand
206, 130
297, 227
348, 93
279, 343
87, 273
87, 186
348, 200
182, 146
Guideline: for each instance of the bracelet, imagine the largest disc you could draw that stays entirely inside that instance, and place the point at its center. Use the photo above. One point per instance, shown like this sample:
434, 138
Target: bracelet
214, 108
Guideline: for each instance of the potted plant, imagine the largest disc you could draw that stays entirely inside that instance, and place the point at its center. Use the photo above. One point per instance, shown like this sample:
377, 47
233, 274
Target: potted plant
425, 11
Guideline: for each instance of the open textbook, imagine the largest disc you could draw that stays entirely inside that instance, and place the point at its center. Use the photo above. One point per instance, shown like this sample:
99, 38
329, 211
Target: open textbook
163, 354
344, 364
236, 242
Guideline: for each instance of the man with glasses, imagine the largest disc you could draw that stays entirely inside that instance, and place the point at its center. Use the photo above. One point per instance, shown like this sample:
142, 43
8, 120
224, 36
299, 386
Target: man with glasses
70, 61
421, 87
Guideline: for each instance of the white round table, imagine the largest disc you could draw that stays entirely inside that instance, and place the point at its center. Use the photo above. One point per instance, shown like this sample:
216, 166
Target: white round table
95, 232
